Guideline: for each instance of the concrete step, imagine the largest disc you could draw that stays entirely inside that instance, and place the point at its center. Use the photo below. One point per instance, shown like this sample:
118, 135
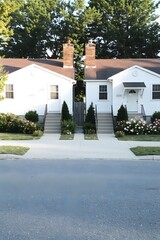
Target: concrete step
105, 124
52, 123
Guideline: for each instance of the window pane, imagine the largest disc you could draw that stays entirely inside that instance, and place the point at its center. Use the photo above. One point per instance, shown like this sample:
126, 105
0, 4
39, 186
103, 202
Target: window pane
54, 91
156, 91
156, 95
156, 88
103, 92
9, 91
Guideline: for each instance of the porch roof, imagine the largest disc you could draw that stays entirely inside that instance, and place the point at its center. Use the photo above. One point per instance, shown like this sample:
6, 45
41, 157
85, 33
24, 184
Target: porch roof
137, 85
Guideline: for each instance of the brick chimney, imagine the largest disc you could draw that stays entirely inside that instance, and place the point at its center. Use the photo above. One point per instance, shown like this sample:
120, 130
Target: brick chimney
90, 53
68, 52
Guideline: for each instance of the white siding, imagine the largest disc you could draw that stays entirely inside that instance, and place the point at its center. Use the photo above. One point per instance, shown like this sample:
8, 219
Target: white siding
144, 97
32, 90
92, 96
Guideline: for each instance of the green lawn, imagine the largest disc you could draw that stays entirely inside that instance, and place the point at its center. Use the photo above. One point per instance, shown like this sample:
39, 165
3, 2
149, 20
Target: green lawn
142, 151
17, 150
90, 137
16, 136
66, 137
150, 138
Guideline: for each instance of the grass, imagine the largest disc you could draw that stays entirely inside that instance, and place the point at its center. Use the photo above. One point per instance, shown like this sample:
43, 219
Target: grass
16, 136
142, 151
151, 138
66, 137
90, 137
16, 150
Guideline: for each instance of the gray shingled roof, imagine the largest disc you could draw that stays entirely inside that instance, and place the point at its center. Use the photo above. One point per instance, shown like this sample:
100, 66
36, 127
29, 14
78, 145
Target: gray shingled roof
55, 65
106, 68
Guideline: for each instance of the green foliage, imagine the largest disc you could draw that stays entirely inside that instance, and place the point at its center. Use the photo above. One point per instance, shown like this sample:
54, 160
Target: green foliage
119, 134
13, 124
68, 127
32, 116
89, 128
65, 112
156, 115
128, 29
37, 133
90, 121
3, 78
7, 7
140, 127
122, 114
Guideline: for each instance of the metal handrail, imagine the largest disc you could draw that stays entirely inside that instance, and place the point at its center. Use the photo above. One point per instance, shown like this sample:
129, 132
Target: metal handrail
96, 117
45, 113
113, 119
143, 112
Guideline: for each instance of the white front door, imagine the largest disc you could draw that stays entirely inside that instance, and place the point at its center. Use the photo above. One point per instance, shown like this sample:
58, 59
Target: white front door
54, 99
132, 101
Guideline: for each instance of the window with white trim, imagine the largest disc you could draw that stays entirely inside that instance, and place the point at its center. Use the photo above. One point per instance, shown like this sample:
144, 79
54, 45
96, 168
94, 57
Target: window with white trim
102, 92
9, 91
156, 91
54, 92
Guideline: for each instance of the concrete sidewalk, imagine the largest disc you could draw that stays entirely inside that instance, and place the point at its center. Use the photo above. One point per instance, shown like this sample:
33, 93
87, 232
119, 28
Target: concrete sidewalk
50, 147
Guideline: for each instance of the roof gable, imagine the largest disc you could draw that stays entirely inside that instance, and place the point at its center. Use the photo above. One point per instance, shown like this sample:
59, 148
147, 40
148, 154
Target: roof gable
38, 70
134, 72
55, 65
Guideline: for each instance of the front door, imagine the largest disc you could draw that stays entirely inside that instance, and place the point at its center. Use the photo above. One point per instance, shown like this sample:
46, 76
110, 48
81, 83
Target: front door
54, 99
132, 101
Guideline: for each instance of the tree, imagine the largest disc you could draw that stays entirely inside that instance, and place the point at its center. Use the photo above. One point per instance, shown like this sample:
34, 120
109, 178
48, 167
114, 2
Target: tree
122, 114
7, 7
3, 78
128, 28
90, 121
65, 112
32, 29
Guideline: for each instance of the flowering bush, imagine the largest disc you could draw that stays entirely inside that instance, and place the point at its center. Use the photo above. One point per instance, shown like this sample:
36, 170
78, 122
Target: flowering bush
13, 124
68, 127
138, 126
135, 126
154, 128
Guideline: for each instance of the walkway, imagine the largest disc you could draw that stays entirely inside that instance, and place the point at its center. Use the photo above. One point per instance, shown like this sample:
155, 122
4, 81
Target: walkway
107, 147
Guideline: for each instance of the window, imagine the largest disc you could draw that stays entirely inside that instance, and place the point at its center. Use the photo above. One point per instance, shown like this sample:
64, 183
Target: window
54, 91
156, 91
9, 91
103, 92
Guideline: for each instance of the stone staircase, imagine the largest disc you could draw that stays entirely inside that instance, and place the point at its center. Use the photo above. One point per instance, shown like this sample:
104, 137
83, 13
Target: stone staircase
105, 124
52, 123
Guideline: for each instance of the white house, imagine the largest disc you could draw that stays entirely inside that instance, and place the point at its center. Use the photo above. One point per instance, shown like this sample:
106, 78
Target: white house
38, 84
135, 83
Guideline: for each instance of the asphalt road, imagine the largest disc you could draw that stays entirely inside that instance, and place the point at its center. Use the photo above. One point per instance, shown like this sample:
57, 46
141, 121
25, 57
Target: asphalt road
79, 200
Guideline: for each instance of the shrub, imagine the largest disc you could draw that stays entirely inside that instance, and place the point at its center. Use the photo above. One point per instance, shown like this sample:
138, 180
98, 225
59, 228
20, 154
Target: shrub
37, 133
89, 128
122, 114
154, 128
119, 134
13, 124
156, 115
65, 112
68, 127
90, 121
135, 126
32, 116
